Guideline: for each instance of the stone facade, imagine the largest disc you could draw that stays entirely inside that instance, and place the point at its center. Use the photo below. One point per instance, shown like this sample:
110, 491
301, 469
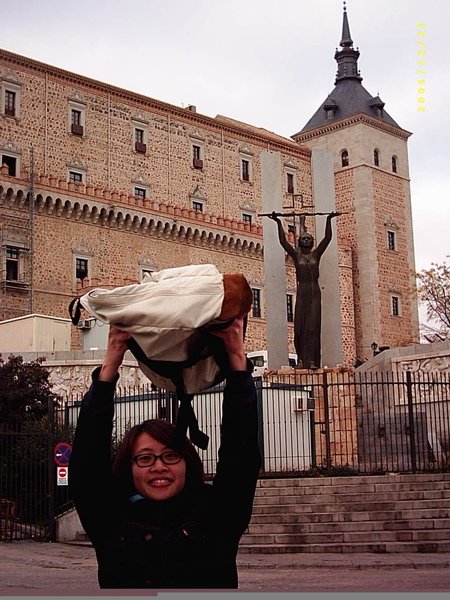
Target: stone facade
88, 186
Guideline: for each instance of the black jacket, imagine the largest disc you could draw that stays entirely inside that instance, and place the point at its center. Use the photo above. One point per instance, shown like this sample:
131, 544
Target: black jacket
189, 541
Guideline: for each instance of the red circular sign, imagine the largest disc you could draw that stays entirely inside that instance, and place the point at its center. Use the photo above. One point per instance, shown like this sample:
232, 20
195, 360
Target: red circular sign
62, 452
62, 472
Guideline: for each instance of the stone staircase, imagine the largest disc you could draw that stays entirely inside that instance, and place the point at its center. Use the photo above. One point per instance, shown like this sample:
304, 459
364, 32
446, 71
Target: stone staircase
379, 513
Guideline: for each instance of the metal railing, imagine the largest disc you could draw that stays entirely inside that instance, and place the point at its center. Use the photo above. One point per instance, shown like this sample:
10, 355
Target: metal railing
331, 422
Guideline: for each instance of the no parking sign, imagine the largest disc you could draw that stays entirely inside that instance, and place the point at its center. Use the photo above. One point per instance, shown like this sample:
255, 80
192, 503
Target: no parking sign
61, 455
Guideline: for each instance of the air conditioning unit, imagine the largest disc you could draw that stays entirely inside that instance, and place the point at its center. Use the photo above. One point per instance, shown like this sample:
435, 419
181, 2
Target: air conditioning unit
85, 323
301, 401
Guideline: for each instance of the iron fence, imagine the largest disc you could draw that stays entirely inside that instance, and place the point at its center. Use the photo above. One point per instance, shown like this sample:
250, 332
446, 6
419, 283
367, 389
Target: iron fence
332, 422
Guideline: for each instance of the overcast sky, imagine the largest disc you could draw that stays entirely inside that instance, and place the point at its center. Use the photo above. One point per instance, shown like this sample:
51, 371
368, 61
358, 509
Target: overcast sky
264, 62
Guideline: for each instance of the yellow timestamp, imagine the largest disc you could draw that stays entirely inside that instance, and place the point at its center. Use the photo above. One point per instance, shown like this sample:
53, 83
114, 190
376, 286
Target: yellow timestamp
421, 81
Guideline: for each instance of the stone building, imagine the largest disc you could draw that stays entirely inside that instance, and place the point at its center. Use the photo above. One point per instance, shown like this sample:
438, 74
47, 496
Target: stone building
99, 185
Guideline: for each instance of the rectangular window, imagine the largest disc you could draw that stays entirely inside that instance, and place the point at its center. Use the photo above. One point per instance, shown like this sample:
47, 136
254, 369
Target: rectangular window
81, 268
10, 103
139, 140
247, 218
11, 162
139, 135
290, 308
391, 240
10, 99
197, 205
75, 176
197, 161
76, 118
290, 183
140, 192
256, 306
12, 263
245, 165
395, 306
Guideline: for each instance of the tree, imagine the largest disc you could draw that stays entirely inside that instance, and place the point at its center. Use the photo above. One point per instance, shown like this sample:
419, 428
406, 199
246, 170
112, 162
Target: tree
433, 286
24, 390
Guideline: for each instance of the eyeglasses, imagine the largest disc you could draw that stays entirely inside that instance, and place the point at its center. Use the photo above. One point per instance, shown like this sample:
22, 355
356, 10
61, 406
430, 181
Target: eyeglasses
170, 457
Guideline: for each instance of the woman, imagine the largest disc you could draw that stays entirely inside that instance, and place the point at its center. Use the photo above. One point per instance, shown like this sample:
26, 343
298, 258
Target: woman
153, 521
308, 305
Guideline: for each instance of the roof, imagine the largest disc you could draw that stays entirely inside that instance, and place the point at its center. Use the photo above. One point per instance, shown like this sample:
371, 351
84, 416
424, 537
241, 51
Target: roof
349, 97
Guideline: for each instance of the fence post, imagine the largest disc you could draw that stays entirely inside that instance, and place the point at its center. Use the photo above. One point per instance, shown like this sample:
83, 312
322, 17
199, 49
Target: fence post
326, 410
412, 435
51, 471
259, 405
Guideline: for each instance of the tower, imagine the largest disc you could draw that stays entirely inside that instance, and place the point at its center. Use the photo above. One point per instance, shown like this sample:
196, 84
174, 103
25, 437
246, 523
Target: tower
372, 187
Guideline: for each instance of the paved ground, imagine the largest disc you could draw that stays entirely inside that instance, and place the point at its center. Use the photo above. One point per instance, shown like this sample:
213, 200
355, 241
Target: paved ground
34, 568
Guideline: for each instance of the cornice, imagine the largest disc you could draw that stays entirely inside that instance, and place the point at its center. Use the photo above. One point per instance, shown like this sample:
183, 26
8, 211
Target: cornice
163, 108
354, 120
108, 208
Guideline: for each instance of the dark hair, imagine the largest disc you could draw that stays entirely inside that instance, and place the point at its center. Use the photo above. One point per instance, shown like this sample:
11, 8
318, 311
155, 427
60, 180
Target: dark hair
164, 432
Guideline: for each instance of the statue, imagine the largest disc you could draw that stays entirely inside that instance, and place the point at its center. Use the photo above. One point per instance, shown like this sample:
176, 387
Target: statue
308, 307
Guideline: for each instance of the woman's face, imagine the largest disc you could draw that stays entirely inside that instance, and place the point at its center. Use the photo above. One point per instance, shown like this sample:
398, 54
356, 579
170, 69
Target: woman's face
160, 481
306, 240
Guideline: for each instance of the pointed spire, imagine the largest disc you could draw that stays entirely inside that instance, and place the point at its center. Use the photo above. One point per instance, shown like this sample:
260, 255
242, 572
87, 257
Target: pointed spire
347, 58
346, 41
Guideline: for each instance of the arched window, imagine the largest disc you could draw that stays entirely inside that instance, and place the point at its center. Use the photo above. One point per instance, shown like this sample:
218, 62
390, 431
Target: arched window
344, 158
394, 164
376, 158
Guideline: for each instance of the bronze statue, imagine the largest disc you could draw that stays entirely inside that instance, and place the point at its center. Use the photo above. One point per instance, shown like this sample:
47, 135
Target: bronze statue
308, 309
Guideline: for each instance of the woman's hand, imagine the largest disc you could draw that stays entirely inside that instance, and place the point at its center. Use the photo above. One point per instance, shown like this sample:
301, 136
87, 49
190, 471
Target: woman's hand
114, 354
233, 338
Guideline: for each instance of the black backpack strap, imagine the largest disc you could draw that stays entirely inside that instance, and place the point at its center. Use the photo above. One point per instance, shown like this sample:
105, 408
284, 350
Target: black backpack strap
186, 419
75, 310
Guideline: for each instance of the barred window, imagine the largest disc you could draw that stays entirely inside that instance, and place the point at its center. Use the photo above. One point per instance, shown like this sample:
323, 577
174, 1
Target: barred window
10, 103
256, 306
140, 192
81, 268
290, 308
12, 263
290, 183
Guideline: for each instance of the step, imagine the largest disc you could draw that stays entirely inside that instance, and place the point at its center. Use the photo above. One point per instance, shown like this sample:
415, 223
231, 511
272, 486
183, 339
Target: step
424, 514
389, 479
290, 539
269, 490
387, 547
350, 506
372, 526
331, 497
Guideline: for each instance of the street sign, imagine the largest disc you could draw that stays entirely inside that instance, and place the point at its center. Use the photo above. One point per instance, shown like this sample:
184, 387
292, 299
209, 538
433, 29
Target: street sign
62, 453
62, 476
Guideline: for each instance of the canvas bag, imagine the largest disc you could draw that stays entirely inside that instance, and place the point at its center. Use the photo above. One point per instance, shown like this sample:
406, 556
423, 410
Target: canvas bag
170, 315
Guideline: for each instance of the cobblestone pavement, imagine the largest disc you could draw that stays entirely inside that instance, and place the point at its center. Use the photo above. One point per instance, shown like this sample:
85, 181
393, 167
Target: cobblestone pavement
32, 568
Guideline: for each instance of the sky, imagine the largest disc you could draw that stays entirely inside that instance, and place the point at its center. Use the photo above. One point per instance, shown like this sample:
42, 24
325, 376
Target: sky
270, 64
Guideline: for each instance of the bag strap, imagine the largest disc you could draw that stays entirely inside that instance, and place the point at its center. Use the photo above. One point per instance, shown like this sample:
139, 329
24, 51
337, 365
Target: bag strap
75, 310
186, 418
